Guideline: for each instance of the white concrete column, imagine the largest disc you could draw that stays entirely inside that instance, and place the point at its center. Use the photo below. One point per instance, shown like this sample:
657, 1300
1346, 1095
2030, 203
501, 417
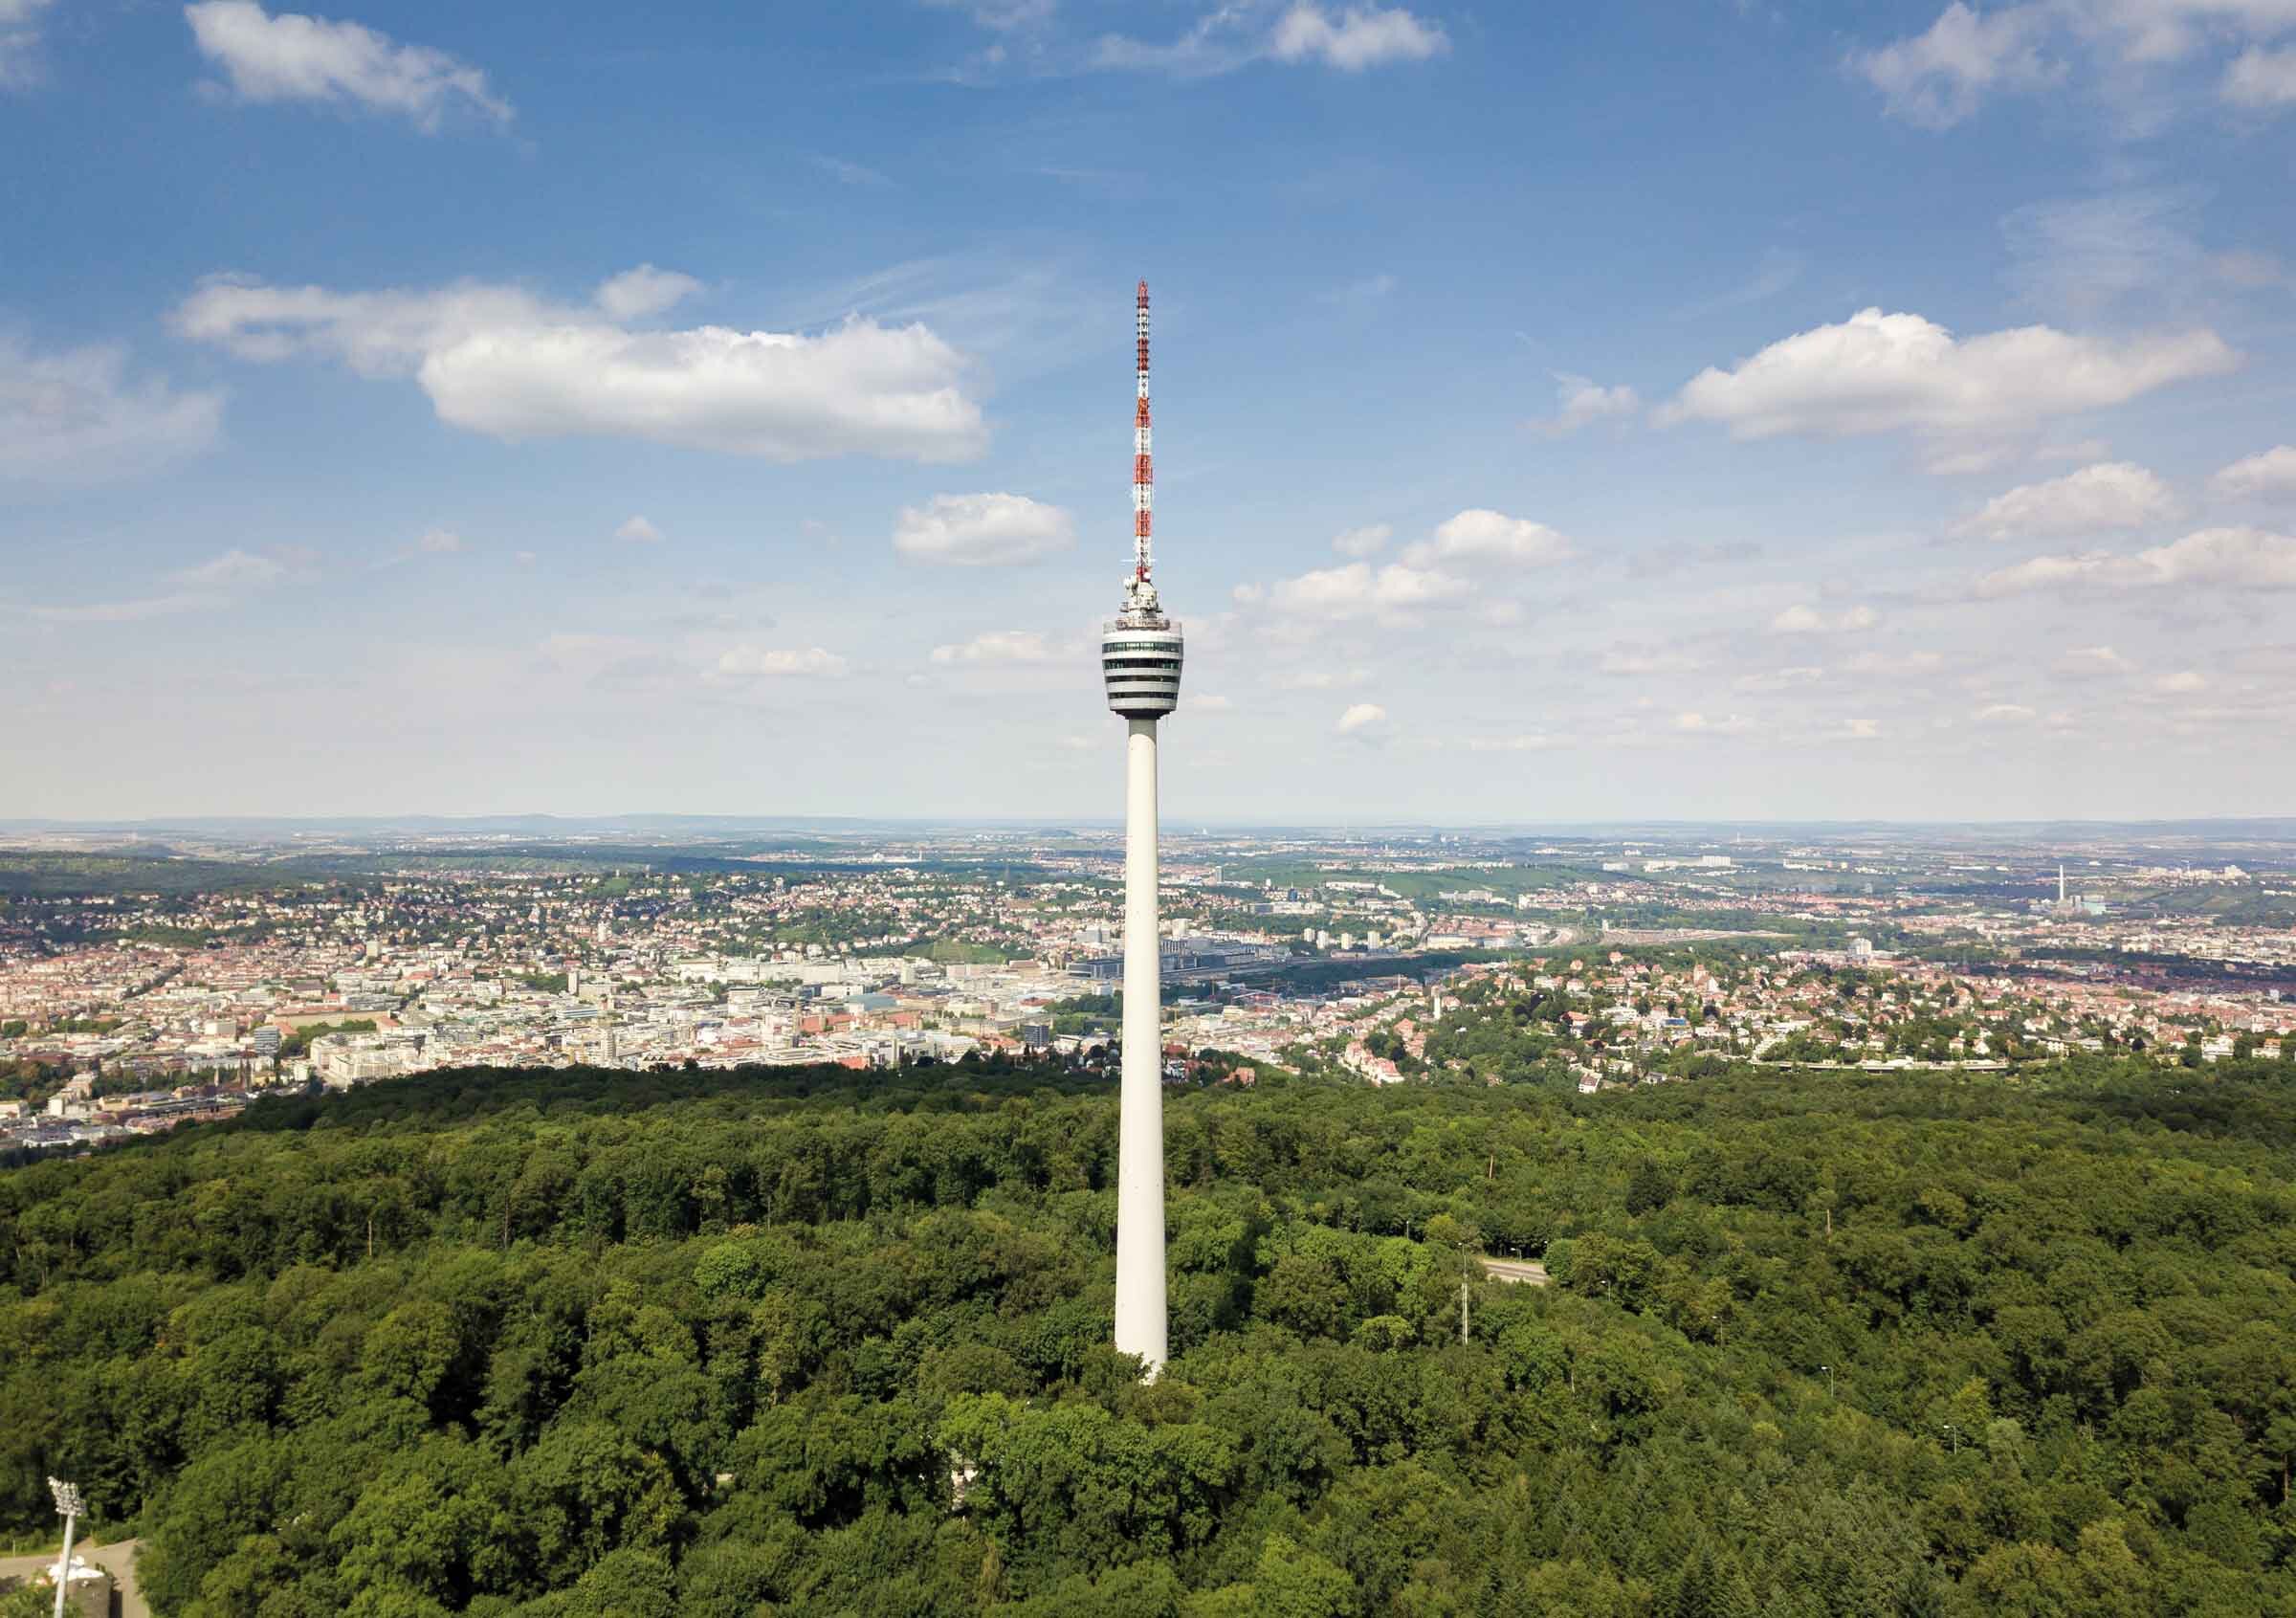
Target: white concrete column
1141, 1327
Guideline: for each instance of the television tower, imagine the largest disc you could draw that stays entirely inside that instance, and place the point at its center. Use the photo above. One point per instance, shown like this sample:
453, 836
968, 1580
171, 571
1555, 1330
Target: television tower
1139, 660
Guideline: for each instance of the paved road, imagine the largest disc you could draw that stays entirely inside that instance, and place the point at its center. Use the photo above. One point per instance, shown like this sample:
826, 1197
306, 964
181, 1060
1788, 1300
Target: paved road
118, 1560
1528, 1270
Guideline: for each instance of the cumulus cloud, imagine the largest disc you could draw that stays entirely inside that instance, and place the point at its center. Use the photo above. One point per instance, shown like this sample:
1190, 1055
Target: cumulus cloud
1358, 37
291, 57
2268, 475
982, 530
639, 293
2212, 558
2114, 495
1357, 590
1801, 619
2004, 713
2181, 683
1351, 39
1367, 540
1579, 402
759, 662
20, 42
638, 531
1002, 647
1478, 538
2261, 78
439, 541
499, 361
1937, 78
1361, 717
75, 416
1879, 373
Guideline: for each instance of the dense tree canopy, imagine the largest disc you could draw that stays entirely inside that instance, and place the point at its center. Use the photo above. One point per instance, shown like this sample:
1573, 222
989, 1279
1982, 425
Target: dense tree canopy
572, 1344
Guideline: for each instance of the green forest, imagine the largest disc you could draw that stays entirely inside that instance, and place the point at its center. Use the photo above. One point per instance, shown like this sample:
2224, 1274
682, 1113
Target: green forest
572, 1345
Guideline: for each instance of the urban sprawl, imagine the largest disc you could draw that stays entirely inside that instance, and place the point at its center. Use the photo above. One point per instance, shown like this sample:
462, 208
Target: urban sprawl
132, 999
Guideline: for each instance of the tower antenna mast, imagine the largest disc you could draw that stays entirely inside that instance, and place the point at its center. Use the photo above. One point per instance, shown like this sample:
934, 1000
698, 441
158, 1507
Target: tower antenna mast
1143, 459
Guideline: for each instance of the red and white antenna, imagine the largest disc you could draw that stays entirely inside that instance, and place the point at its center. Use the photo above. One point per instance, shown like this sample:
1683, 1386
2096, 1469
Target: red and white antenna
1144, 474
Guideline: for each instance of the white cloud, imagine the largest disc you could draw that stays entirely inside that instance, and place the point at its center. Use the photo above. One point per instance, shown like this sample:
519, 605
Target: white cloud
1579, 402
635, 295
291, 57
1002, 14
1232, 35
498, 359
20, 42
1800, 619
1937, 78
1206, 702
2004, 712
1861, 730
2212, 558
758, 662
233, 569
1357, 590
1478, 538
204, 586
1362, 716
439, 541
982, 530
1699, 724
2268, 475
638, 531
1361, 37
2114, 495
2092, 662
2183, 683
1002, 647
2261, 78
74, 416
1367, 540
1876, 372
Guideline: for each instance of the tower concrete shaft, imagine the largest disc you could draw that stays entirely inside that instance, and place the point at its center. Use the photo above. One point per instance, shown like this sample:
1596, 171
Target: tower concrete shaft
1140, 1311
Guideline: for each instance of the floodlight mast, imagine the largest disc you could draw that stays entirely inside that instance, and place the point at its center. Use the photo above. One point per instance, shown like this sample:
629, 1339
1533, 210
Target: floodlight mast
67, 1506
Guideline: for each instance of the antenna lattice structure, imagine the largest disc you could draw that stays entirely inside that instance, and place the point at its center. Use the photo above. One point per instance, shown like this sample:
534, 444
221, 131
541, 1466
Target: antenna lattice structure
1143, 459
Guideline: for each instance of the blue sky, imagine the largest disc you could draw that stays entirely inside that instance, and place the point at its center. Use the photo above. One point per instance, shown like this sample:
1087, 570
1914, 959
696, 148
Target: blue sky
1562, 412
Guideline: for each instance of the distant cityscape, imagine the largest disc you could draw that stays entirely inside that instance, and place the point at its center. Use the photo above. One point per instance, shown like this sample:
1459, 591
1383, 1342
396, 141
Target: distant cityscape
143, 985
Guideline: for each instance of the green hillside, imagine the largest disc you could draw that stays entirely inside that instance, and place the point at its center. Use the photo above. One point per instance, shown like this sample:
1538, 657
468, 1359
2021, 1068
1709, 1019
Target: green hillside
560, 1344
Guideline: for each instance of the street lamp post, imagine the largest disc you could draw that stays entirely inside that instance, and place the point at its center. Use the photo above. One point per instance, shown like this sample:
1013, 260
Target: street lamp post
67, 1506
1829, 1380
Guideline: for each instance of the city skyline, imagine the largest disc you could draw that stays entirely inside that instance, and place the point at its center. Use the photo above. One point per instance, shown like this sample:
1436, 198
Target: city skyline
1785, 422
